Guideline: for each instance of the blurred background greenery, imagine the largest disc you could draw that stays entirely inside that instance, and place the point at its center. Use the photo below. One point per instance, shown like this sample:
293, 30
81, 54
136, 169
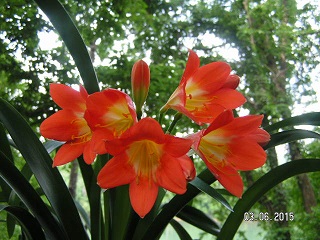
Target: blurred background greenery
272, 45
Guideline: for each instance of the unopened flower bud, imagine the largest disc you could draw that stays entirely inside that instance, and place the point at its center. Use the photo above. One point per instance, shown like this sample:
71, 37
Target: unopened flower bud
140, 82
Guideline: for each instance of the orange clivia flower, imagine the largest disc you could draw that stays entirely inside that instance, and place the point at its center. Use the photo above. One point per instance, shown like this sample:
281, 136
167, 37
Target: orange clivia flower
230, 144
204, 92
69, 125
140, 82
146, 158
109, 114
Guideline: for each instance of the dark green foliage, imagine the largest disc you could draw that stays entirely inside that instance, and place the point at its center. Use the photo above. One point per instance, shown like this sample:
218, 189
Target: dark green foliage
277, 44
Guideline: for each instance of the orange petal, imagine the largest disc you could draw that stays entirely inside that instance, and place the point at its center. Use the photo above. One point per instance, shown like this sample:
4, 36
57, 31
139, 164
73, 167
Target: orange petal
221, 120
211, 77
116, 173
260, 136
116, 146
187, 167
177, 146
62, 125
228, 98
192, 65
68, 98
67, 153
246, 154
196, 137
110, 109
229, 178
99, 138
206, 116
143, 194
243, 125
99, 103
232, 82
170, 175
83, 92
146, 128
177, 99
88, 154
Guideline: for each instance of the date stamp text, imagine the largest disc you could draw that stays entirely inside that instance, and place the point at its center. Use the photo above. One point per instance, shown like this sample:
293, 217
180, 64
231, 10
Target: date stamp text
265, 216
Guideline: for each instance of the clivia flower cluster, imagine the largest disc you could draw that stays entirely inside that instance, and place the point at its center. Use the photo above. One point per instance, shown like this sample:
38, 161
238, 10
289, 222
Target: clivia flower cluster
145, 157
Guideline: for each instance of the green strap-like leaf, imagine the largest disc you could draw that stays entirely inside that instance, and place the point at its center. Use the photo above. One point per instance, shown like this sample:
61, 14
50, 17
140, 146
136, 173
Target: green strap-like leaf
94, 197
5, 145
174, 206
121, 211
73, 40
206, 188
182, 233
290, 136
51, 145
14, 200
199, 219
5, 149
30, 198
11, 225
30, 225
84, 214
40, 163
262, 186
145, 222
304, 119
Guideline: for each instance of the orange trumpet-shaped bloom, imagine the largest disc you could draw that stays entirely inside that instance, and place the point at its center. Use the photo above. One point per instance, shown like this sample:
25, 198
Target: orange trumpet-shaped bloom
140, 82
109, 114
204, 92
146, 158
230, 144
68, 125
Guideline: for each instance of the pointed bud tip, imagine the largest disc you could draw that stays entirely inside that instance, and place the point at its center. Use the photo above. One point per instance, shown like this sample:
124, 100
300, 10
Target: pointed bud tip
140, 82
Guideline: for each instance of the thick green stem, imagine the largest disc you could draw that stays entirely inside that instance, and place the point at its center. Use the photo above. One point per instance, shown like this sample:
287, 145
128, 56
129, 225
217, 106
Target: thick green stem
174, 122
174, 206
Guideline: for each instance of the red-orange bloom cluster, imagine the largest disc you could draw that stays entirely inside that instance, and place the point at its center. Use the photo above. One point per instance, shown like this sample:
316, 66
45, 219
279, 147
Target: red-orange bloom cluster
146, 158
86, 121
204, 92
143, 155
230, 144
109, 114
68, 125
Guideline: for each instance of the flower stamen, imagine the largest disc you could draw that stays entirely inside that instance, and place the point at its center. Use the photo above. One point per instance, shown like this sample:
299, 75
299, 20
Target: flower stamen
145, 157
81, 138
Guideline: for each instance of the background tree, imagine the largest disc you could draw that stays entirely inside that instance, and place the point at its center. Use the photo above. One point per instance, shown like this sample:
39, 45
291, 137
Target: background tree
273, 45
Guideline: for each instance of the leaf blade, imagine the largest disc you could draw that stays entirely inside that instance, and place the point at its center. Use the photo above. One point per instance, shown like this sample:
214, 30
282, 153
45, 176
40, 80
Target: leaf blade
290, 136
174, 206
40, 163
260, 187
28, 223
206, 188
31, 199
199, 219
303, 119
182, 233
69, 33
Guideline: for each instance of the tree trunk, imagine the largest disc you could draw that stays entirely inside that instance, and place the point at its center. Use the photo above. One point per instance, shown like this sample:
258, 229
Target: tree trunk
279, 77
92, 50
73, 179
309, 198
